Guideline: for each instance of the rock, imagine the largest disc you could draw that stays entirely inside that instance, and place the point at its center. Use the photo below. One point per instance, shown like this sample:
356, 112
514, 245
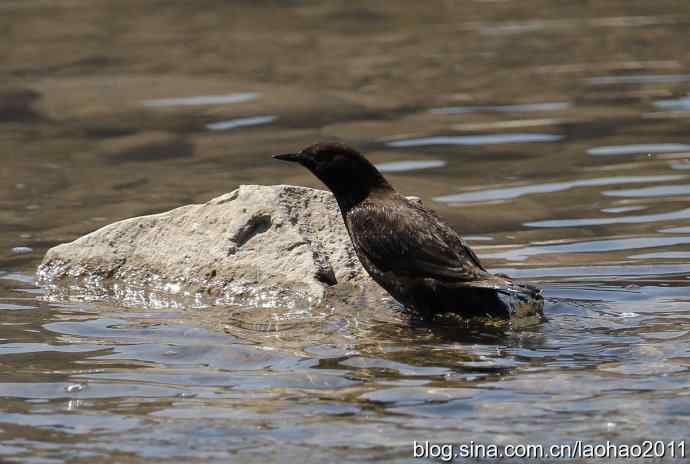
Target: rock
259, 245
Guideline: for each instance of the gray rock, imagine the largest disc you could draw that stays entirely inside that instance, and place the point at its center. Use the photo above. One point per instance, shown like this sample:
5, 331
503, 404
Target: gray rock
259, 245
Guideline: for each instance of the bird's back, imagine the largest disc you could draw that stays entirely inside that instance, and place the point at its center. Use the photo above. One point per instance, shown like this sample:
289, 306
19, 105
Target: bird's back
424, 263
403, 237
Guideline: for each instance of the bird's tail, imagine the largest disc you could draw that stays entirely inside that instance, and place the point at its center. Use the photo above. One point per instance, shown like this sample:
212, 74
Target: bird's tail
519, 299
522, 298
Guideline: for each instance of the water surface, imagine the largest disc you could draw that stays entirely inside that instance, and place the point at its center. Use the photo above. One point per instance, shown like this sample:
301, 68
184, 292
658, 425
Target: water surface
554, 135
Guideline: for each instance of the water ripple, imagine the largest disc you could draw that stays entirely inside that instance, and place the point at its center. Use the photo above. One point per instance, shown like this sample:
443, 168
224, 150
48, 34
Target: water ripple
637, 149
638, 79
595, 246
623, 209
676, 230
663, 255
685, 166
518, 108
681, 104
485, 139
202, 100
14, 307
241, 122
587, 272
402, 166
510, 193
660, 191
673, 215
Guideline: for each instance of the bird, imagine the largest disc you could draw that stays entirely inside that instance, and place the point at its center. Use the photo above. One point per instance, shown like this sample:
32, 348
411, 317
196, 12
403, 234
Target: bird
406, 247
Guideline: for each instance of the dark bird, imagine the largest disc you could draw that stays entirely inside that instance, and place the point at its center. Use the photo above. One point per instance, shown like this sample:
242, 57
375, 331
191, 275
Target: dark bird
406, 248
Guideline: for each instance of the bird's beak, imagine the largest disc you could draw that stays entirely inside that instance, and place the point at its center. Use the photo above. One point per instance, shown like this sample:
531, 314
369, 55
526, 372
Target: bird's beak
294, 157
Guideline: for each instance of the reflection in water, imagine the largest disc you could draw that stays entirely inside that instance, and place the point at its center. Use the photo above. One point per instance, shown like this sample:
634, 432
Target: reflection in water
520, 108
510, 193
638, 149
240, 122
486, 139
402, 166
202, 100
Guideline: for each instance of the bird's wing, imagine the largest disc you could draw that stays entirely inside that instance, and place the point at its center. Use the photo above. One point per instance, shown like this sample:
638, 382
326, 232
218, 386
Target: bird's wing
408, 239
450, 236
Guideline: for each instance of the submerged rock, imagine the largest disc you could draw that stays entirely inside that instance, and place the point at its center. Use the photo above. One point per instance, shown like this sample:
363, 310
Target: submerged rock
259, 245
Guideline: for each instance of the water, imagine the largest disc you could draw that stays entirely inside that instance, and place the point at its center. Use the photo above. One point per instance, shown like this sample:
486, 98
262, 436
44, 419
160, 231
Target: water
554, 135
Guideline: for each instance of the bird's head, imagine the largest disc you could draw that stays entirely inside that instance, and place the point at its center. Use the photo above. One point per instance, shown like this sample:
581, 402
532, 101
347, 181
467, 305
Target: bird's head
348, 174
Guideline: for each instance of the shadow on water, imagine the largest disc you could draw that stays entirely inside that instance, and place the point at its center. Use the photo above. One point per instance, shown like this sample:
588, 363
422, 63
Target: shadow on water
568, 170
